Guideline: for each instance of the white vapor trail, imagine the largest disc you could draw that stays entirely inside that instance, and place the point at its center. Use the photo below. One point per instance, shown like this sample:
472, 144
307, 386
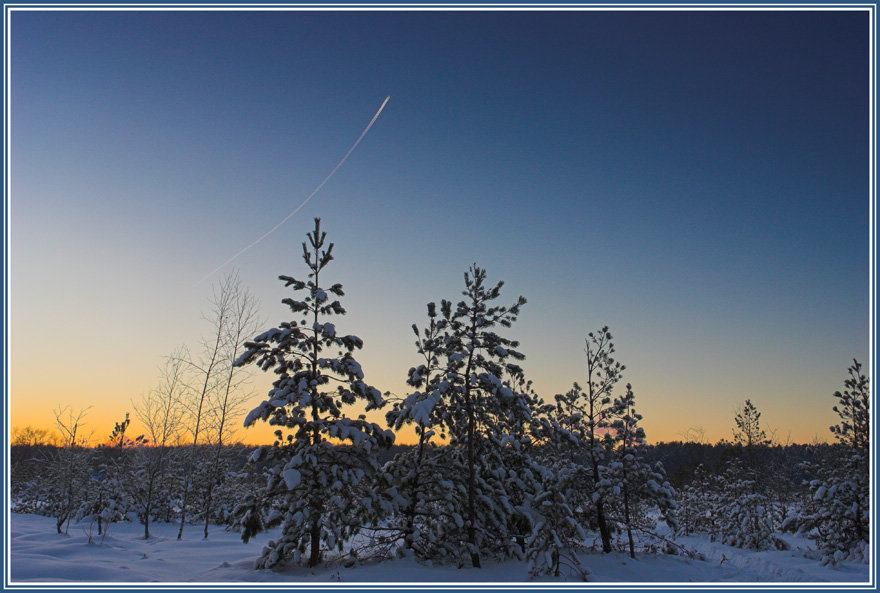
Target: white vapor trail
311, 195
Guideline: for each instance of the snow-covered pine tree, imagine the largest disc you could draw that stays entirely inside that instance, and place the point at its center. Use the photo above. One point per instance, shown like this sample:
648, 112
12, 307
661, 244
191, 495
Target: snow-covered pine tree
556, 532
837, 517
241, 481
743, 515
31, 454
315, 485
751, 436
694, 504
169, 495
853, 407
413, 480
590, 412
479, 409
630, 481
93, 507
426, 513
106, 501
521, 459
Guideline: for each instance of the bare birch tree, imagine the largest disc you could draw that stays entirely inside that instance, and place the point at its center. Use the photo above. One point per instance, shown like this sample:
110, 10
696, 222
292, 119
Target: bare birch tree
68, 466
213, 372
227, 400
161, 413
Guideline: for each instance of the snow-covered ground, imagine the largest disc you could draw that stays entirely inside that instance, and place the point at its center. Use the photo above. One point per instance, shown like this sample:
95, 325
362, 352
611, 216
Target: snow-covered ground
38, 553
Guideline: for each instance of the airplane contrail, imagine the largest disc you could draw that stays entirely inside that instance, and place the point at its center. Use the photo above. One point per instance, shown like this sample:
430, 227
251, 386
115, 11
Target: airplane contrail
311, 195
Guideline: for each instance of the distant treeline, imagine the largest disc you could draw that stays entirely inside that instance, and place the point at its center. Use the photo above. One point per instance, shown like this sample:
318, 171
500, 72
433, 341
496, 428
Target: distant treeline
680, 459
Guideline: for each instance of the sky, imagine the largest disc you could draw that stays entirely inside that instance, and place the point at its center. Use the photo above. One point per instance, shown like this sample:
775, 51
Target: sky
696, 180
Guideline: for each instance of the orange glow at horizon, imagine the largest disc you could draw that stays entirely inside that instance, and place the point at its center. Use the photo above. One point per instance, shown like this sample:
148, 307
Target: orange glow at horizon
103, 408
675, 407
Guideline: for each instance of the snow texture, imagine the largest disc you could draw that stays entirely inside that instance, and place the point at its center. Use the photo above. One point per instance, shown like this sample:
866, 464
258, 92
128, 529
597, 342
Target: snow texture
38, 554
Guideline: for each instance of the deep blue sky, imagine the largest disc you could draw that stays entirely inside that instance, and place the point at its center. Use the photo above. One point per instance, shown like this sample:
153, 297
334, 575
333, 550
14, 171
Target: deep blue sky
696, 180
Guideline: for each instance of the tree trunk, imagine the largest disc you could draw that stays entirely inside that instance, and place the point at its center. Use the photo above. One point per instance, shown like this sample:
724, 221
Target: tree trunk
603, 526
315, 535
209, 499
857, 519
315, 555
411, 511
600, 508
600, 511
148, 509
187, 479
472, 528
100, 507
472, 462
629, 533
472, 487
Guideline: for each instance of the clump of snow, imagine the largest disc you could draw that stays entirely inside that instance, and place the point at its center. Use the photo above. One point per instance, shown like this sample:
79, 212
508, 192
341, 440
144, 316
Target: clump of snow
291, 477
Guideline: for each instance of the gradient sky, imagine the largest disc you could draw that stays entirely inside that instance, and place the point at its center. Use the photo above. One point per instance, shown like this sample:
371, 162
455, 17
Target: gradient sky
696, 180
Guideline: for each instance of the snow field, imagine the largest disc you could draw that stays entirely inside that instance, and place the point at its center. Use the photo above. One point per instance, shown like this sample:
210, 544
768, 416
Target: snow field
39, 554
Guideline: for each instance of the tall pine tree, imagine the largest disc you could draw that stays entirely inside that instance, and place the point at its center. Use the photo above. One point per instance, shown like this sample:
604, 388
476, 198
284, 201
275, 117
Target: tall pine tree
633, 484
316, 473
590, 412
470, 389
480, 404
415, 484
